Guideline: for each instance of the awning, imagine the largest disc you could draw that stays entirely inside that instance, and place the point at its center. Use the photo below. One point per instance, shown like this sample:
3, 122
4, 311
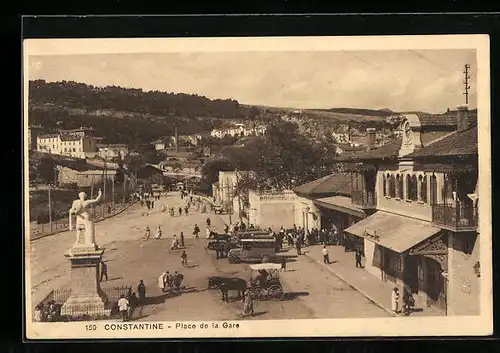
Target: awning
398, 233
341, 204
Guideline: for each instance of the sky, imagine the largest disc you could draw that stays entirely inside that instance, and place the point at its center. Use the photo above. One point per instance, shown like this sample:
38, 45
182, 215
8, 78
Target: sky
400, 80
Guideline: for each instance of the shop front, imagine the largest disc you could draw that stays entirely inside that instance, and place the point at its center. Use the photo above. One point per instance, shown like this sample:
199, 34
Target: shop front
339, 212
389, 239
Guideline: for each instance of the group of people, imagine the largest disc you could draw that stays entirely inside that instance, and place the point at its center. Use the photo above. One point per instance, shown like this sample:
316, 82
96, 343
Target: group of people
408, 301
128, 303
47, 313
158, 233
170, 281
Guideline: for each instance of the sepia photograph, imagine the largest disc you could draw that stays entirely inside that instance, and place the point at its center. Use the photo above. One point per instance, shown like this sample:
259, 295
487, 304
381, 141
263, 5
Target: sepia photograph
257, 187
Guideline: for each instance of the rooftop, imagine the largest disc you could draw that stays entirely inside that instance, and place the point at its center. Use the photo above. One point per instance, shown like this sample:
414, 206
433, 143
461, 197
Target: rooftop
388, 151
460, 143
338, 183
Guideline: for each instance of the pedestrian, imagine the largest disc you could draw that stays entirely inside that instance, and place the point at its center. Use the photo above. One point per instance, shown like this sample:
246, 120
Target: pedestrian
109, 209
209, 222
186, 210
283, 263
191, 198
207, 233
147, 233
152, 204
243, 226
142, 202
168, 280
182, 239
133, 302
38, 314
395, 300
358, 255
184, 257
196, 231
408, 300
104, 271
158, 232
178, 277
298, 246
326, 256
226, 229
175, 243
148, 204
180, 211
123, 304
247, 304
161, 281
141, 289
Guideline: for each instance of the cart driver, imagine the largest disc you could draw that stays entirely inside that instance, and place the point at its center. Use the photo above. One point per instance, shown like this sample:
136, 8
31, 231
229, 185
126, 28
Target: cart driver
262, 278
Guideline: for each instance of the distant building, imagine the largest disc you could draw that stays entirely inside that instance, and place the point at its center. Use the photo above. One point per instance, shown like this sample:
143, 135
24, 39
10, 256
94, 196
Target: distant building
111, 151
72, 145
239, 130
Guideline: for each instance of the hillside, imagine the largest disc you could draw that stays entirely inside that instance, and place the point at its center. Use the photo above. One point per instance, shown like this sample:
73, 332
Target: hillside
123, 115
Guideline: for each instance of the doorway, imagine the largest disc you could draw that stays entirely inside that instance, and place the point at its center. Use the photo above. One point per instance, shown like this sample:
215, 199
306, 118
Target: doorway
411, 273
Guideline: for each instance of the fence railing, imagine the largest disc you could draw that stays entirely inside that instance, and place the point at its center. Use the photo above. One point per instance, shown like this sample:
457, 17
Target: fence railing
457, 218
100, 212
364, 199
83, 312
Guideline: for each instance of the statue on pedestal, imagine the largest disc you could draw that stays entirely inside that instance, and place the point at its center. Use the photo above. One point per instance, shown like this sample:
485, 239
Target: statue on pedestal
84, 222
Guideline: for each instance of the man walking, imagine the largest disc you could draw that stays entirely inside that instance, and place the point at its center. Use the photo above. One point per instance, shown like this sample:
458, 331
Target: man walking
104, 270
180, 211
141, 289
123, 307
182, 239
359, 254
196, 231
326, 256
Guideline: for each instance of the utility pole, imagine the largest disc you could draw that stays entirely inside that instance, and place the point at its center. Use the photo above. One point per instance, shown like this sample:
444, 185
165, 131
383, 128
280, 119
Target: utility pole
466, 82
50, 210
105, 180
238, 195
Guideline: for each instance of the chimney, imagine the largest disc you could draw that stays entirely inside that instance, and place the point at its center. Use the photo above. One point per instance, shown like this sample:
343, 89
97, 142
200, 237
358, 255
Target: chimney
176, 140
462, 118
371, 138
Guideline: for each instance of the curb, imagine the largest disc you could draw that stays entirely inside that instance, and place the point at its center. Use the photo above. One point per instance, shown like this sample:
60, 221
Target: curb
369, 297
97, 221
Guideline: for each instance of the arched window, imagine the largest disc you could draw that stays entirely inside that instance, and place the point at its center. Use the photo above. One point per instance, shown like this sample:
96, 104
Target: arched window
423, 187
413, 188
408, 187
433, 189
392, 186
399, 186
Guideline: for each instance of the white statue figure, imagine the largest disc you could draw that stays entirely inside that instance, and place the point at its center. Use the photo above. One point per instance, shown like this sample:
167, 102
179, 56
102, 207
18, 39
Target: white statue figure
84, 223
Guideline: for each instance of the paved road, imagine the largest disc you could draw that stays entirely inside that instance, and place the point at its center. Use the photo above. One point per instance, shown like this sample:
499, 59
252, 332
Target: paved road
318, 293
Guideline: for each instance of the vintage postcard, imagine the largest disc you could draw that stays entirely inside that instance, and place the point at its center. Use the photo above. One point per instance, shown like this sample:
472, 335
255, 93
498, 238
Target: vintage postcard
257, 187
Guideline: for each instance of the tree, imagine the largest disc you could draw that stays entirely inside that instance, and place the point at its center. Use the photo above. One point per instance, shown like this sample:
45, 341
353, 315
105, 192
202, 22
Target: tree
283, 158
211, 168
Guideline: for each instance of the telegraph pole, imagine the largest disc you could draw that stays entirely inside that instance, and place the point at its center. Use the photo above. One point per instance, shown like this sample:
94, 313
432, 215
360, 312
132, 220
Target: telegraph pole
466, 82
50, 210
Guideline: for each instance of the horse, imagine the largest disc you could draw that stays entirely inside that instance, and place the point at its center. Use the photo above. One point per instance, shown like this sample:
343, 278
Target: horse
225, 284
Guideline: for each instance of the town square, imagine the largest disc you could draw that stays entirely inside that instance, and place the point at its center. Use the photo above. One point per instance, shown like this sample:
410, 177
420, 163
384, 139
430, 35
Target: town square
183, 197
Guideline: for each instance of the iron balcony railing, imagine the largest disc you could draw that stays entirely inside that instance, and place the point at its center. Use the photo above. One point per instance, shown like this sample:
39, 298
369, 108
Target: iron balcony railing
363, 198
455, 217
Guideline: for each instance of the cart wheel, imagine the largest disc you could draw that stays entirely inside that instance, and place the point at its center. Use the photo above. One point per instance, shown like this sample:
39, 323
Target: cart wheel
275, 292
233, 259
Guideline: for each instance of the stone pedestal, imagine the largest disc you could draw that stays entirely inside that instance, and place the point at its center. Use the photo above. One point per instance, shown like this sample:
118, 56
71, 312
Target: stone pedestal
86, 298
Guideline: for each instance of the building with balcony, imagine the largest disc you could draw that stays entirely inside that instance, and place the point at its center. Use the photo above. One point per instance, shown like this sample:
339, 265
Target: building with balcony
421, 190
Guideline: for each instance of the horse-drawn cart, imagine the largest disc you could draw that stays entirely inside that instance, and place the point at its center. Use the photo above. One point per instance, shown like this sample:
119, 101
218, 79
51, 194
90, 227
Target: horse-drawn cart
265, 282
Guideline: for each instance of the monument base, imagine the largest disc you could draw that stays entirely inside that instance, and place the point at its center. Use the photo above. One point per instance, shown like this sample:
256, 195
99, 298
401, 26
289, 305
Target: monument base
86, 305
87, 298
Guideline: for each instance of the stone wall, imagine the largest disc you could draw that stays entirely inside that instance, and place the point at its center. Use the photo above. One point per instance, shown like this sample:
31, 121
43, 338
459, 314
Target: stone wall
273, 209
463, 297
